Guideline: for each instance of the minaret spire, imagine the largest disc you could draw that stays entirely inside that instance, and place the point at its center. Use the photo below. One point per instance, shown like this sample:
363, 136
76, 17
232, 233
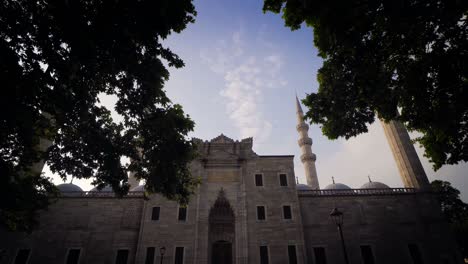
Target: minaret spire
407, 160
305, 143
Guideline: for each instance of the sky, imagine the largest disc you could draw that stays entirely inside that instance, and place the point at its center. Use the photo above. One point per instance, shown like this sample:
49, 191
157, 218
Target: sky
242, 71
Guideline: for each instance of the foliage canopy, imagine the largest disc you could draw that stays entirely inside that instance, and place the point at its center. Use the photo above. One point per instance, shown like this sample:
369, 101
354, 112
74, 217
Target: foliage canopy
455, 211
57, 59
399, 60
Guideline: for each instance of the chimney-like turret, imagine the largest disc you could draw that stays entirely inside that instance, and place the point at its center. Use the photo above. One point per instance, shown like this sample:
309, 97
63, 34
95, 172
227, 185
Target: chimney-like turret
305, 143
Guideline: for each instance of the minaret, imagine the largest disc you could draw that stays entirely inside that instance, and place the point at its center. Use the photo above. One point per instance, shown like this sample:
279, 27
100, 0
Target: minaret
305, 142
132, 180
407, 160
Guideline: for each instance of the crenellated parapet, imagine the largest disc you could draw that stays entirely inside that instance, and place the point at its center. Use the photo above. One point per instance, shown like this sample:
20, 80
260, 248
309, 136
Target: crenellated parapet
224, 150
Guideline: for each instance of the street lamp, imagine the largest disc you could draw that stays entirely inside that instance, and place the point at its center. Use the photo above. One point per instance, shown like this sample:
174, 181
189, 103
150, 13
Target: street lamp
337, 217
162, 251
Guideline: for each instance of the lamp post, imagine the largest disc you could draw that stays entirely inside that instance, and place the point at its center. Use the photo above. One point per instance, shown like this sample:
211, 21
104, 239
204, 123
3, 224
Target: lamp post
337, 217
162, 251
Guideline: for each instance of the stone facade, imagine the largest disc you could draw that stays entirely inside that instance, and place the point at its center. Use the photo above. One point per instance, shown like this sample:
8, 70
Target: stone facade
222, 217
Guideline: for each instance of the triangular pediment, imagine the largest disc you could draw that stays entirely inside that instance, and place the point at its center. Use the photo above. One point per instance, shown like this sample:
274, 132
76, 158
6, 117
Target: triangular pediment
222, 139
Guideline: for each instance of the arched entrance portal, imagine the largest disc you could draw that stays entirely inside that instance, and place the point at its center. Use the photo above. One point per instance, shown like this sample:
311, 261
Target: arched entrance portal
221, 231
221, 252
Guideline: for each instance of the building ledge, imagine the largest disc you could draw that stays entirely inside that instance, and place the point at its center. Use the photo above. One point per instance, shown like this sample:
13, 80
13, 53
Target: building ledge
357, 192
100, 195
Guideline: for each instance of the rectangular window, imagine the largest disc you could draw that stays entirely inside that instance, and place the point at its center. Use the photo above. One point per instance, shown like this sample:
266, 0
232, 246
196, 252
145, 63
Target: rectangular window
292, 254
150, 255
122, 256
367, 255
155, 213
261, 213
415, 254
264, 255
22, 256
258, 180
320, 257
73, 256
182, 213
287, 212
283, 180
179, 255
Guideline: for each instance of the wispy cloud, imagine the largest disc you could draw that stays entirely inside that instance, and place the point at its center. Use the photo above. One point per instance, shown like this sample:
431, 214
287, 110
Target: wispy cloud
246, 76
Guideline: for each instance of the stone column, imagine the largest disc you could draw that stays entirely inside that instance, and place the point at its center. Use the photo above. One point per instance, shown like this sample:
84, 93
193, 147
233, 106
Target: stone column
410, 167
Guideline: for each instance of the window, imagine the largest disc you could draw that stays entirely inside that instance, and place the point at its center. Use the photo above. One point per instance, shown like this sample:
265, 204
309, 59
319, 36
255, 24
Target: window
320, 257
182, 213
22, 256
415, 254
179, 255
122, 256
73, 256
264, 255
149, 255
287, 212
261, 213
366, 254
292, 254
155, 213
283, 180
258, 180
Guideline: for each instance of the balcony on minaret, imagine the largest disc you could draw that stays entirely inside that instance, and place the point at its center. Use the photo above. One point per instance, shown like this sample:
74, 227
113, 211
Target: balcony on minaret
302, 126
304, 141
308, 157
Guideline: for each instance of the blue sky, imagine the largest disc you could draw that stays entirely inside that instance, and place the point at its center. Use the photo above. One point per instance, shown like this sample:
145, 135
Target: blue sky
242, 71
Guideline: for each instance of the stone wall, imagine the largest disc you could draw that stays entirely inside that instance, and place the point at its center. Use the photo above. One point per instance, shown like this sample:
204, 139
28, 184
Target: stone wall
387, 223
275, 232
97, 226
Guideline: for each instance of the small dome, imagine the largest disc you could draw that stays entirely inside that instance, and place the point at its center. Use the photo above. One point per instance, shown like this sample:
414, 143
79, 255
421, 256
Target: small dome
69, 189
337, 186
106, 188
139, 188
303, 187
374, 185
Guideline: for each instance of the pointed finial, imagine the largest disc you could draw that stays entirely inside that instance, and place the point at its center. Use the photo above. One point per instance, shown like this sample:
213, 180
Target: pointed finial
333, 180
71, 181
297, 180
368, 176
298, 105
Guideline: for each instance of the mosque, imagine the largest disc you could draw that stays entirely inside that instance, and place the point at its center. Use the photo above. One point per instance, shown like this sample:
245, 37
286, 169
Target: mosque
248, 209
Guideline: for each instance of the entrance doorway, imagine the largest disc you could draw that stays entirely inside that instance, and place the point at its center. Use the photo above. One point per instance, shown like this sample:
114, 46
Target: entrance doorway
221, 252
221, 230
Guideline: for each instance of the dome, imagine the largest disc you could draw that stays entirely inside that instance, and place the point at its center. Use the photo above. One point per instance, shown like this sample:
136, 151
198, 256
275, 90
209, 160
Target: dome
106, 188
337, 186
374, 185
139, 188
69, 189
301, 187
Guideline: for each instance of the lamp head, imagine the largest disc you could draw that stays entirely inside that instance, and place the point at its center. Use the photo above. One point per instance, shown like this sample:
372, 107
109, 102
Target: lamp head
336, 216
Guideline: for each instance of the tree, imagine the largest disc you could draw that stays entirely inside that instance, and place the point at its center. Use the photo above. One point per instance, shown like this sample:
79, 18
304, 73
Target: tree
57, 59
455, 211
397, 60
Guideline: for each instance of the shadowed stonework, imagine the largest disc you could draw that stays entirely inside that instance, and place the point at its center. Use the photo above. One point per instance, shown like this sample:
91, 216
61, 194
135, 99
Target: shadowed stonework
247, 209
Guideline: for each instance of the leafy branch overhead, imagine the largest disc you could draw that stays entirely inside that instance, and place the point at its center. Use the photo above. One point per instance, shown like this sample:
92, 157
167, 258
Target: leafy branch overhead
397, 60
58, 58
